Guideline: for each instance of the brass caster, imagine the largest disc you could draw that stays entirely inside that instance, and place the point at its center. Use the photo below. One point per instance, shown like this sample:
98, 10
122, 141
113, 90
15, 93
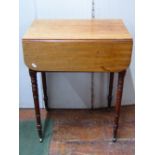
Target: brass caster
40, 140
114, 140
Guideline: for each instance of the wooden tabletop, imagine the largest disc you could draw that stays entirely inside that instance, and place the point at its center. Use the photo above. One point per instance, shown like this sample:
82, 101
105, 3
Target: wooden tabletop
77, 45
77, 29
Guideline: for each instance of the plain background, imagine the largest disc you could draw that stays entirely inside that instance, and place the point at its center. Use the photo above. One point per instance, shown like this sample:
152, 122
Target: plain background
73, 90
145, 75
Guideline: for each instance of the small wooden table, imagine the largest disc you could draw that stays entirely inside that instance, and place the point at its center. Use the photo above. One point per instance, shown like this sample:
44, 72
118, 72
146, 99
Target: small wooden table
77, 46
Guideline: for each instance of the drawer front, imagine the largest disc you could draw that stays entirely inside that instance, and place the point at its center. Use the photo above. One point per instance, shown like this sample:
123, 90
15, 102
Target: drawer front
84, 56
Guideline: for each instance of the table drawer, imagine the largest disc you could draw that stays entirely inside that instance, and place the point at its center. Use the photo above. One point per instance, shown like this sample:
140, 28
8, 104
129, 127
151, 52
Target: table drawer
77, 55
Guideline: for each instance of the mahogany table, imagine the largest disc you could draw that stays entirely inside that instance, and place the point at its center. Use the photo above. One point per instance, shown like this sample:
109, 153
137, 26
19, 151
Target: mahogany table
77, 46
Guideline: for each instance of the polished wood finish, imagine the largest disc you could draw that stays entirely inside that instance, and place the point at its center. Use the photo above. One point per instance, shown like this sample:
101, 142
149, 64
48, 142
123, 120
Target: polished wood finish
119, 92
111, 80
84, 56
36, 102
43, 74
77, 45
77, 29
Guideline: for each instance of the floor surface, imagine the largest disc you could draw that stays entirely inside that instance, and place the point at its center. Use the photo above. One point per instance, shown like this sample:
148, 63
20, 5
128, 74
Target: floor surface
88, 132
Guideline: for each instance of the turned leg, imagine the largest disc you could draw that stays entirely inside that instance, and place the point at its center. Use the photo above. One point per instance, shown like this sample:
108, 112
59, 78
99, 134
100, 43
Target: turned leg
33, 75
118, 103
110, 89
43, 74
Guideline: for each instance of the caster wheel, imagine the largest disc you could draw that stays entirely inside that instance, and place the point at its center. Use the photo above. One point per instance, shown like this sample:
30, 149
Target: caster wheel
114, 140
40, 140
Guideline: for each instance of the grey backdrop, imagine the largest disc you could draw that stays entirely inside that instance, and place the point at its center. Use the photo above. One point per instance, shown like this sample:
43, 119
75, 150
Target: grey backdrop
72, 90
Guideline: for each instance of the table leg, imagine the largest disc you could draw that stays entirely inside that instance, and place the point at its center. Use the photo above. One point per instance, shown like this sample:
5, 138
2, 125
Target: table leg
33, 75
118, 103
110, 89
43, 74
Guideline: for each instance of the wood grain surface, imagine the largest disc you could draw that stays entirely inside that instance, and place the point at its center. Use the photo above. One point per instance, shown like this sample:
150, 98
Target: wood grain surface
77, 45
77, 29
96, 56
